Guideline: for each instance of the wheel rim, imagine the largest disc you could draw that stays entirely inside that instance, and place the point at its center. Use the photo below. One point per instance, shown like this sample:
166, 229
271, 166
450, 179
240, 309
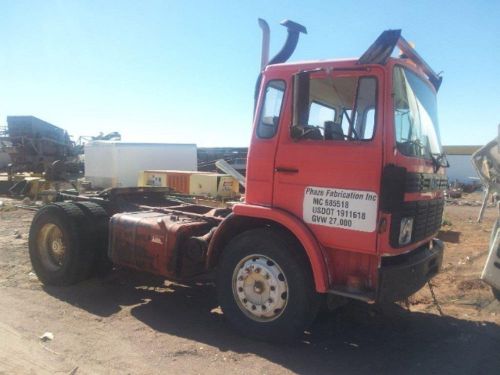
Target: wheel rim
51, 246
260, 288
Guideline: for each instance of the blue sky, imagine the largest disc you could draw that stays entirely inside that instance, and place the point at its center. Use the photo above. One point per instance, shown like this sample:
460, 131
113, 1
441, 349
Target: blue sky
184, 71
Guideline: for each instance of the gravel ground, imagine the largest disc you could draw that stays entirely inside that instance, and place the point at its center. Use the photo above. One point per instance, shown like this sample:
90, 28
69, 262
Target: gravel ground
133, 323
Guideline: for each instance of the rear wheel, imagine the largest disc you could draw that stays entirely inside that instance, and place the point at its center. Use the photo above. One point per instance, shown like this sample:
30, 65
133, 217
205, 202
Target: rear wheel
58, 244
98, 221
265, 286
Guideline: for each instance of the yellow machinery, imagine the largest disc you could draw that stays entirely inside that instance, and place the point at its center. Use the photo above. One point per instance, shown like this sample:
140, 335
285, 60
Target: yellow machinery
204, 184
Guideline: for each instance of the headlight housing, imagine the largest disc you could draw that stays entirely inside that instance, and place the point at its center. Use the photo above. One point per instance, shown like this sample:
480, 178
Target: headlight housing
405, 230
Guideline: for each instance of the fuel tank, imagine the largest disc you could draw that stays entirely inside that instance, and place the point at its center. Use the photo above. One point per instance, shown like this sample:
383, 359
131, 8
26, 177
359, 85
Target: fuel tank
171, 245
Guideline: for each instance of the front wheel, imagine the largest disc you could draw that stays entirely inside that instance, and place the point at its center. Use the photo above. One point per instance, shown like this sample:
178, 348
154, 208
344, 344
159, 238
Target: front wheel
265, 286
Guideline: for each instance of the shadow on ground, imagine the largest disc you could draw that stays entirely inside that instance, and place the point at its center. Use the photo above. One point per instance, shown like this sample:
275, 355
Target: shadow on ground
357, 338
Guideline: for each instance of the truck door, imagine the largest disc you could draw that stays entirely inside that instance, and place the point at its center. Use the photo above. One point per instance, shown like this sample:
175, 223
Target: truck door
328, 166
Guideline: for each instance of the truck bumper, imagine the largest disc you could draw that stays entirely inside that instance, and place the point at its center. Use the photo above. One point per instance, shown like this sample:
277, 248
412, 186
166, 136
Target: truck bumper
402, 275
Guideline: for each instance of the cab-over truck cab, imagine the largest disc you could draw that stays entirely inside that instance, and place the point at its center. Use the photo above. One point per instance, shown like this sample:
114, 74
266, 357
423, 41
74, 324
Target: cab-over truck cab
347, 155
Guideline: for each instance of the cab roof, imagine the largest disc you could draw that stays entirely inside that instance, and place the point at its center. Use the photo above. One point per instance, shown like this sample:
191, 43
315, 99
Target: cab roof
379, 53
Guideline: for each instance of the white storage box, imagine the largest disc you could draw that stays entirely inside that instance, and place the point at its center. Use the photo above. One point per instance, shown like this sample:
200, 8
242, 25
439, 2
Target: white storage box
117, 164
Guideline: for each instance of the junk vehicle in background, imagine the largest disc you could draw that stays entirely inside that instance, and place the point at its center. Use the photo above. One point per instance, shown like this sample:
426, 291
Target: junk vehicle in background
33, 144
486, 160
344, 194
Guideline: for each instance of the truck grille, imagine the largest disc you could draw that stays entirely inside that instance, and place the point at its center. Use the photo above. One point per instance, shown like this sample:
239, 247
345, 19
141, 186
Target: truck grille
424, 182
427, 216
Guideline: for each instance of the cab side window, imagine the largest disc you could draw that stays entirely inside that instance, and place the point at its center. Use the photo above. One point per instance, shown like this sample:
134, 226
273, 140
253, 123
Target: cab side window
319, 113
271, 109
342, 108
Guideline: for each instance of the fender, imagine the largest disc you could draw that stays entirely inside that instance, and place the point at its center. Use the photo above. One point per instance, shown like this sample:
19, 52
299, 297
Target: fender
289, 221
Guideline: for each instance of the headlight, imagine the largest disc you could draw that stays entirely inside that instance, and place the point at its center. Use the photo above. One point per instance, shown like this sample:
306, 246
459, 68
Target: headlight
405, 230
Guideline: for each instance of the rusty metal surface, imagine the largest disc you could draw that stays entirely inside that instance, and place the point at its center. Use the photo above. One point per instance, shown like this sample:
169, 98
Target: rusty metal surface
157, 242
153, 232
157, 199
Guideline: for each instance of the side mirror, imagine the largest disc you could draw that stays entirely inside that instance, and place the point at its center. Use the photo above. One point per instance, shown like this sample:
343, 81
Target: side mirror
301, 89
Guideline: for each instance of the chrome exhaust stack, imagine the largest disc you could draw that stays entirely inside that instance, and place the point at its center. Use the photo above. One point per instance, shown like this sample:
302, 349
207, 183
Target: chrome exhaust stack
266, 37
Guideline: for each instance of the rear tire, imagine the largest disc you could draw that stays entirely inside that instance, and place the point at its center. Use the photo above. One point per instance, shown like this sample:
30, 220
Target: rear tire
58, 244
98, 221
265, 286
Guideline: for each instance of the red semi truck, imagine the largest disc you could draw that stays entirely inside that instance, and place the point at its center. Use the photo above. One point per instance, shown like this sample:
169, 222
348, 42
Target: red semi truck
344, 193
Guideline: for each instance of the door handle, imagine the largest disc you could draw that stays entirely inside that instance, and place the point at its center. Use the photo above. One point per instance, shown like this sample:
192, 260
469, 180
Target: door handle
286, 170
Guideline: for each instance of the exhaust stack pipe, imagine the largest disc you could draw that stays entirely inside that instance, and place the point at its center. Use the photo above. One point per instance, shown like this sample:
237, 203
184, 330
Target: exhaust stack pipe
294, 29
266, 37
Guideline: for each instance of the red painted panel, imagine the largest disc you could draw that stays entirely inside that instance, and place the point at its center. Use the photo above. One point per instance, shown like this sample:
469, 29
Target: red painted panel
353, 165
345, 264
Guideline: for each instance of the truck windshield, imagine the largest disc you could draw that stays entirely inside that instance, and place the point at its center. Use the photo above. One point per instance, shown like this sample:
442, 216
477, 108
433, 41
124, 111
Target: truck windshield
415, 115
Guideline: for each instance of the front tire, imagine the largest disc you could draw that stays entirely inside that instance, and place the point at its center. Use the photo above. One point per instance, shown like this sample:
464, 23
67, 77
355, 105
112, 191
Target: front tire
265, 286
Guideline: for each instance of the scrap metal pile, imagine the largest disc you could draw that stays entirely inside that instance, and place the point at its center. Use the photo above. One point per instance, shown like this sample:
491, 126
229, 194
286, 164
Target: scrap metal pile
33, 145
35, 153
235, 156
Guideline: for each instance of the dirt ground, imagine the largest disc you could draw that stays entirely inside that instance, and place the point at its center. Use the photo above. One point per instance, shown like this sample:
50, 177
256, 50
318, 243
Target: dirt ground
132, 323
